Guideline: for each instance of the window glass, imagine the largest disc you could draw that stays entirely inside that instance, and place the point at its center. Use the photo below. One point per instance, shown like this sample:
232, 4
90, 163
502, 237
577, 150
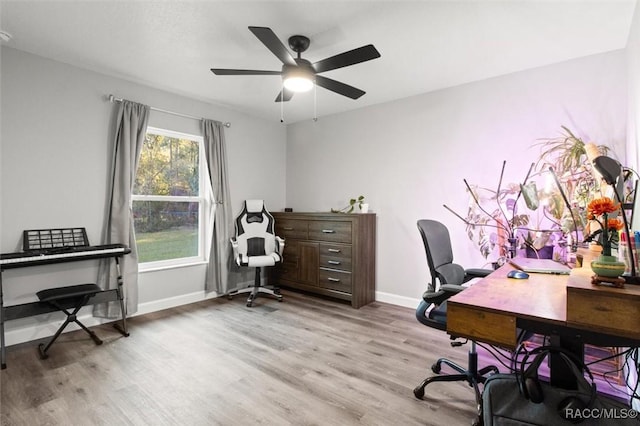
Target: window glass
168, 166
166, 229
168, 203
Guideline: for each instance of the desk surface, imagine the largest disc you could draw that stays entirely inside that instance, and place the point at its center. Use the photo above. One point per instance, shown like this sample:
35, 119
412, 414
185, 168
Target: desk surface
492, 309
537, 297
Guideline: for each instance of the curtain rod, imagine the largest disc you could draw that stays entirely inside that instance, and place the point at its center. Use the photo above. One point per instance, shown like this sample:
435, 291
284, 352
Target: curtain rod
112, 99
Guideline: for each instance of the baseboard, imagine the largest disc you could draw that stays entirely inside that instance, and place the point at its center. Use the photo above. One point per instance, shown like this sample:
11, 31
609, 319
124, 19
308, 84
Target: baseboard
172, 302
48, 324
394, 299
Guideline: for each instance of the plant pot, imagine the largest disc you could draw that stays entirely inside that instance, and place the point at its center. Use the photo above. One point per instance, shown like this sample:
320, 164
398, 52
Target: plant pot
607, 266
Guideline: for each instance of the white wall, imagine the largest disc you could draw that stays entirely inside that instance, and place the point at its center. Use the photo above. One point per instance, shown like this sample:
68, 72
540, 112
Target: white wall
410, 156
633, 125
53, 171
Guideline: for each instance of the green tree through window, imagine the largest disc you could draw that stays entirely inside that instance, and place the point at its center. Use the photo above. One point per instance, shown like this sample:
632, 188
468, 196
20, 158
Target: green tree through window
167, 201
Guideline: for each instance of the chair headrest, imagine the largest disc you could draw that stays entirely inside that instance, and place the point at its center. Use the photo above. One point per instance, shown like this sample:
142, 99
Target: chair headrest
254, 206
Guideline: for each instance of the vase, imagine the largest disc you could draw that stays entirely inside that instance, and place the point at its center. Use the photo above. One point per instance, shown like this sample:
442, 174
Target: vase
607, 266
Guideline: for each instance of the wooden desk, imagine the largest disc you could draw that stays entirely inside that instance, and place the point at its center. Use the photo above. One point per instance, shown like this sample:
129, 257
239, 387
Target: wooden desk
607, 310
569, 309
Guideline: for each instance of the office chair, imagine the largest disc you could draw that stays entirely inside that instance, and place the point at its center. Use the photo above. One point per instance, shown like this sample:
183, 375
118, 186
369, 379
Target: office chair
255, 245
432, 310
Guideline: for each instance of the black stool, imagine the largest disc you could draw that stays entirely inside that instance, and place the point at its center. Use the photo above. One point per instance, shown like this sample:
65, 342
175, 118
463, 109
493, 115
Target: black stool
68, 300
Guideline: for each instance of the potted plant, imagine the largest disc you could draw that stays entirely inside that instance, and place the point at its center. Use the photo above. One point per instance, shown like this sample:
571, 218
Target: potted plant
353, 202
570, 158
493, 218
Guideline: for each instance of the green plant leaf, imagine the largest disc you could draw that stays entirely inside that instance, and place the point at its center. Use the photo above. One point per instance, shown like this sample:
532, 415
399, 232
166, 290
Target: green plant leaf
530, 195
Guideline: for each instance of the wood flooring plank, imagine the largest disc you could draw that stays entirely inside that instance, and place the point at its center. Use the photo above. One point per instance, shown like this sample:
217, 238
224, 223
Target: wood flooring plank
305, 361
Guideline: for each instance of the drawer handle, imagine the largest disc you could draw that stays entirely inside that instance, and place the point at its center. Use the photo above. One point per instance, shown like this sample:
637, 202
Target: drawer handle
335, 280
334, 250
287, 229
328, 231
333, 262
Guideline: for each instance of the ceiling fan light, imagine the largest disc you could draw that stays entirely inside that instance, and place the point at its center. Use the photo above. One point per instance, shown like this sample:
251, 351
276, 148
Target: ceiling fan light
298, 79
298, 83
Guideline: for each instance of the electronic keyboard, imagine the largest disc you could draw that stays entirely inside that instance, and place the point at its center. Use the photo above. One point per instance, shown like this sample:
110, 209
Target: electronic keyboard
60, 254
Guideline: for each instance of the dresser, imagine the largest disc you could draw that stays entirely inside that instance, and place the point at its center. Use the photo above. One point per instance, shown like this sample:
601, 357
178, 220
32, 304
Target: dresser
332, 254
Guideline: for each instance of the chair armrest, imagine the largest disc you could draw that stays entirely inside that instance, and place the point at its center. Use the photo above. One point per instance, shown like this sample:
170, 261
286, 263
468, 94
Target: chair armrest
444, 292
435, 297
452, 288
477, 273
279, 245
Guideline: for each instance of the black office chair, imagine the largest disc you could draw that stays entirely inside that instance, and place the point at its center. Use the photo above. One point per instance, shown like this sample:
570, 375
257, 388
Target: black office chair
256, 245
447, 279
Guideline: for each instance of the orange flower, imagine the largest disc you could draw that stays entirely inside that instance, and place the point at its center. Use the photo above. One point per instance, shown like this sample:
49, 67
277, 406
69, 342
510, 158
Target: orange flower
614, 224
600, 206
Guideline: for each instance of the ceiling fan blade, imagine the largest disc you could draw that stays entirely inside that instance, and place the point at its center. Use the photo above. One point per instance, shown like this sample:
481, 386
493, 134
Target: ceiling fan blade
352, 57
338, 87
224, 71
286, 94
273, 43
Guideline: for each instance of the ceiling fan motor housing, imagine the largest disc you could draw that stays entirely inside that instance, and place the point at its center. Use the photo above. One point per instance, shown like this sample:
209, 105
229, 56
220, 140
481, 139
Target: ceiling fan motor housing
299, 43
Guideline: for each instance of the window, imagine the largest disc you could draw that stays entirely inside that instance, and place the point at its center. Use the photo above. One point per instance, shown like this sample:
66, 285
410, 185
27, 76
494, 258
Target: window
169, 202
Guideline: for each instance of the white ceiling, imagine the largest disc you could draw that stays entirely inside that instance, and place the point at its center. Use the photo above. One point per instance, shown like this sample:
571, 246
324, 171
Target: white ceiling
425, 45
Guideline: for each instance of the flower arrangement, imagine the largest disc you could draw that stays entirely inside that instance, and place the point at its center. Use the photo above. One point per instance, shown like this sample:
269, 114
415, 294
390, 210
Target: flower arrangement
599, 210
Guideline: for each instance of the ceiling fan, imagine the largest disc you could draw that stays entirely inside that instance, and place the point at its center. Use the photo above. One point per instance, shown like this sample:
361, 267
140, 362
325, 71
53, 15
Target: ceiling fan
299, 75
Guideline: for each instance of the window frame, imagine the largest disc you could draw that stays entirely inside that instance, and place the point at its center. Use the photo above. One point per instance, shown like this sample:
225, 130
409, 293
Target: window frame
204, 200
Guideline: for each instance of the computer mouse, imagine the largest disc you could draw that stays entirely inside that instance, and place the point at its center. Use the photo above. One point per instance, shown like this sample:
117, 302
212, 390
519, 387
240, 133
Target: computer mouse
517, 274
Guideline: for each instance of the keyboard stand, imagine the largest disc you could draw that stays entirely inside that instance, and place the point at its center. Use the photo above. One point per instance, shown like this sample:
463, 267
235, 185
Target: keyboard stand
24, 310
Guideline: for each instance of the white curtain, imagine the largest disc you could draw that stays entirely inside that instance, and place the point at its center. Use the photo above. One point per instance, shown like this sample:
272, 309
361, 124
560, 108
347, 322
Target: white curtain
220, 254
130, 130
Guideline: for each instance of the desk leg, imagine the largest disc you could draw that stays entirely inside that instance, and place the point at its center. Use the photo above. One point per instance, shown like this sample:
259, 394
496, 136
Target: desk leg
561, 375
3, 355
121, 328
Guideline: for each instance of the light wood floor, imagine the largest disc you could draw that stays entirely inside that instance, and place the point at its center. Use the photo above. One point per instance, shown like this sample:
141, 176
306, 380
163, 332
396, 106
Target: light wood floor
305, 361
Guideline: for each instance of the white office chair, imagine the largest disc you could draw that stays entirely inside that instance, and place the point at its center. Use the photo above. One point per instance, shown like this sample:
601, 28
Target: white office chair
256, 245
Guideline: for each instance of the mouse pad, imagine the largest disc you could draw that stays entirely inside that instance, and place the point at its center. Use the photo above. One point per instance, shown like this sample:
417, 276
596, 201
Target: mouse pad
540, 266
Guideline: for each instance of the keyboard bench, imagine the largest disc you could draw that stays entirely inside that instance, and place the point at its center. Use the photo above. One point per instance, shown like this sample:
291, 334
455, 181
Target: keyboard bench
76, 296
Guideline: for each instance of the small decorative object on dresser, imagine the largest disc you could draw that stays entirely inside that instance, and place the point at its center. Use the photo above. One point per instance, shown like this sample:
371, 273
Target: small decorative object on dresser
329, 254
352, 204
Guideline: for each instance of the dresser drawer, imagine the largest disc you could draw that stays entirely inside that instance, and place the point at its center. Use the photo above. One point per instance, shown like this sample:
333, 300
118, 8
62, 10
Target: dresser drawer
335, 256
335, 280
331, 231
292, 228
